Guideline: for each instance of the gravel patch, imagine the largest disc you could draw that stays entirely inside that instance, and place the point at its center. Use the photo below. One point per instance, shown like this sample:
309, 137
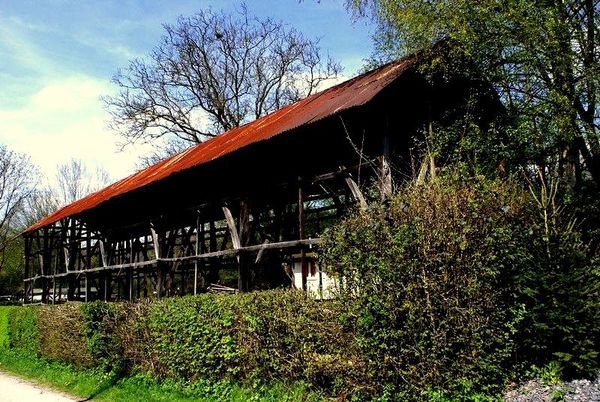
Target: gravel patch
572, 391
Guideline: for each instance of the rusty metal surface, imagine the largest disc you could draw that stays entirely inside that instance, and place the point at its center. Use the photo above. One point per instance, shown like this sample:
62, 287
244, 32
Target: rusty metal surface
354, 92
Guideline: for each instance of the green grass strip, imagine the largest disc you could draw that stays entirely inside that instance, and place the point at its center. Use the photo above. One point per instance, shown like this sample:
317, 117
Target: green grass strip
101, 386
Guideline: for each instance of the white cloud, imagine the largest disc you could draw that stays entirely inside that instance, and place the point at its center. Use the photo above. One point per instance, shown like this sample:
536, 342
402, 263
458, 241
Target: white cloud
65, 120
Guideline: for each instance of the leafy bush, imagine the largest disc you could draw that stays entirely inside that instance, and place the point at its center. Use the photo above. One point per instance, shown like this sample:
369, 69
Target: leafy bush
102, 346
62, 336
255, 337
447, 292
4, 323
285, 335
456, 285
560, 290
194, 337
23, 329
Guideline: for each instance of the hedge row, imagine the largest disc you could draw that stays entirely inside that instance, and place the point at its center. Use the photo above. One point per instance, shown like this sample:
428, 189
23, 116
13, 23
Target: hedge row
250, 338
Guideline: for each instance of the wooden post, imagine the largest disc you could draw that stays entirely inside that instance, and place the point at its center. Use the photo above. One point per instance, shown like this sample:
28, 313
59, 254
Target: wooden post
72, 250
235, 237
301, 234
46, 263
87, 288
28, 274
88, 263
129, 272
160, 274
244, 237
356, 193
197, 251
385, 170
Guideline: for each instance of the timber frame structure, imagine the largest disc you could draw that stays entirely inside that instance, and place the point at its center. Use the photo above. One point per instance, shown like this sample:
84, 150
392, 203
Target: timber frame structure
236, 208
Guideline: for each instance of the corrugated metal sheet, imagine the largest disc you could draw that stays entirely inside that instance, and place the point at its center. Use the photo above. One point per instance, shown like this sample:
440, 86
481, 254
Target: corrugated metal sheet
352, 93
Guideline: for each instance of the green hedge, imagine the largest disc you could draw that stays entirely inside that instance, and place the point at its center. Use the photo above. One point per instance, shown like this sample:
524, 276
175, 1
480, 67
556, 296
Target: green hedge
4, 325
250, 338
259, 336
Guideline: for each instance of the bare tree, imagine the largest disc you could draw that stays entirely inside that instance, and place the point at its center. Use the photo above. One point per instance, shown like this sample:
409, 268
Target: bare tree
75, 180
212, 72
39, 204
17, 183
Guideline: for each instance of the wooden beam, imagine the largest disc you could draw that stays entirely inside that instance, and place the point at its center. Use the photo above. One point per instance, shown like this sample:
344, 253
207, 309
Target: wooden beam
244, 237
146, 264
155, 242
261, 252
386, 171
356, 193
235, 237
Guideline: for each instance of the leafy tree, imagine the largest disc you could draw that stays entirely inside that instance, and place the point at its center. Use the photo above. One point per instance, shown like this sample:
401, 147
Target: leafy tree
212, 72
542, 57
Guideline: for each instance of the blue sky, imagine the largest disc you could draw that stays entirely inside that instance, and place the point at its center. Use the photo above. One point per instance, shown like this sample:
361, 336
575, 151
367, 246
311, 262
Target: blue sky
58, 56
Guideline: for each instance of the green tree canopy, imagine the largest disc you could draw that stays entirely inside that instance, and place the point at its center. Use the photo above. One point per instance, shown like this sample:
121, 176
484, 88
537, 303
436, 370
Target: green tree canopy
541, 56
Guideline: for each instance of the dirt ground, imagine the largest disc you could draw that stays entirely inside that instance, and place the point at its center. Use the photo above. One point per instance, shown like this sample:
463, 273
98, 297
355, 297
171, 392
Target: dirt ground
13, 389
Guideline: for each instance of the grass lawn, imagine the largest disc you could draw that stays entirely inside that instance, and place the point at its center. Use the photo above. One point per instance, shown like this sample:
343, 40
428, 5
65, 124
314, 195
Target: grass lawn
100, 386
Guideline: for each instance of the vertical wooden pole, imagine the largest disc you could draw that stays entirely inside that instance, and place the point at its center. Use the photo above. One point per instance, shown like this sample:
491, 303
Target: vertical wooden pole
197, 251
72, 250
46, 262
160, 274
244, 234
301, 234
106, 278
129, 272
385, 170
27, 285
88, 263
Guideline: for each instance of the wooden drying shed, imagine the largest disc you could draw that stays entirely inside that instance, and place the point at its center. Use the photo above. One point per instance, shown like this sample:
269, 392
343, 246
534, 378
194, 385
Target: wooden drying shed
233, 209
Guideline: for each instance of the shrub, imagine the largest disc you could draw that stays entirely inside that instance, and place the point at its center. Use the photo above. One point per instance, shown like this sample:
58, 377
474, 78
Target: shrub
5, 312
285, 335
23, 329
439, 287
560, 290
62, 336
98, 327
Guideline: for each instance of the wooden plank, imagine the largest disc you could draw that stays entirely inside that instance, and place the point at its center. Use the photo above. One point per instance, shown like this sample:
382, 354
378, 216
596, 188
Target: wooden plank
244, 236
197, 250
102, 253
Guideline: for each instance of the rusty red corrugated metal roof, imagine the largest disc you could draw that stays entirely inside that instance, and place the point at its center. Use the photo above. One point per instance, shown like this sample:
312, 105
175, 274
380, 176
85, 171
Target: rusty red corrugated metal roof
354, 92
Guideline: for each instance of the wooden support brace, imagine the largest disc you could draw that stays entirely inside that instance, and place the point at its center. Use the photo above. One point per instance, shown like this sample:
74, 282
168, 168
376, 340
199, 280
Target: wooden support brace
235, 237
356, 193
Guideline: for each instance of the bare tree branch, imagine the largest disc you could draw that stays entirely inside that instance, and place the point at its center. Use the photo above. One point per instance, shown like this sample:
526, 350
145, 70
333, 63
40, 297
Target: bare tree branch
212, 72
